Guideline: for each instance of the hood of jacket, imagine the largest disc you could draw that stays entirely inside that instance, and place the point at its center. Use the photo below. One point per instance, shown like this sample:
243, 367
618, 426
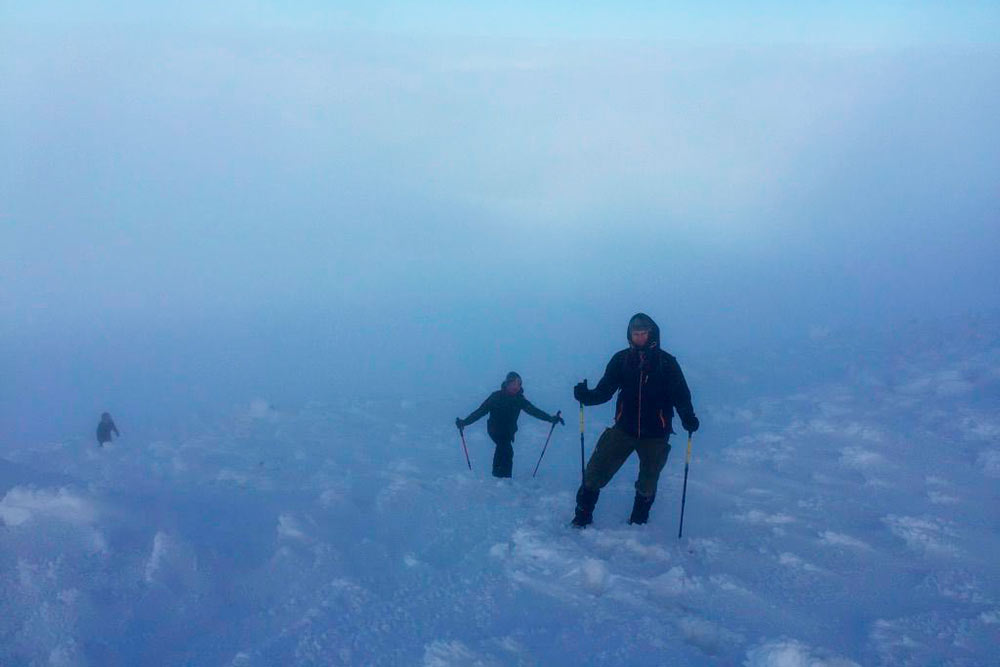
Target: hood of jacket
654, 330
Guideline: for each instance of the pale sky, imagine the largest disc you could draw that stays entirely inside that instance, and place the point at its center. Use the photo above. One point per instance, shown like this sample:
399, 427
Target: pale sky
458, 176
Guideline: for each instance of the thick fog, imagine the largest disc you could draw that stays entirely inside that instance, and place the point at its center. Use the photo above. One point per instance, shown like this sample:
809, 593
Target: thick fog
285, 245
195, 212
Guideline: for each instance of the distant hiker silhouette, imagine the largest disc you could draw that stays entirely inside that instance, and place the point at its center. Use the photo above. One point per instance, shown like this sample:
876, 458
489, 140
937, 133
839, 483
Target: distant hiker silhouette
504, 406
105, 428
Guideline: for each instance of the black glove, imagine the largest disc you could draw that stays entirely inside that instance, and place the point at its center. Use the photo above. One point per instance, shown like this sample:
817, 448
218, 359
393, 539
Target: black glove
691, 425
580, 390
460, 423
557, 419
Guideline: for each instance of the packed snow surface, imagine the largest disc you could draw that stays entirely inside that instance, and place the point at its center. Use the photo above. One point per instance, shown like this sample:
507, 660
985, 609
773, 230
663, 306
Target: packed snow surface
840, 518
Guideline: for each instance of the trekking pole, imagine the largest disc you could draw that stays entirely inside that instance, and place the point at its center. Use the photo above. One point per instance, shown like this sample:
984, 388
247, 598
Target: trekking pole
581, 444
558, 412
461, 433
687, 462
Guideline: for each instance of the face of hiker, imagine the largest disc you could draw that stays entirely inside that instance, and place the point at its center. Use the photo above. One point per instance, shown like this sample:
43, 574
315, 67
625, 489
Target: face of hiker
513, 386
639, 337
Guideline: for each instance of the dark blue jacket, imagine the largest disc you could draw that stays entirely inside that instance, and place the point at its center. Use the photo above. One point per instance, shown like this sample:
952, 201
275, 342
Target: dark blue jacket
504, 410
650, 387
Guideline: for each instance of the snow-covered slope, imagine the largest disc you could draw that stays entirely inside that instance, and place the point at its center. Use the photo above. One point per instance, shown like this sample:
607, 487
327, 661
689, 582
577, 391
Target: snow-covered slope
841, 517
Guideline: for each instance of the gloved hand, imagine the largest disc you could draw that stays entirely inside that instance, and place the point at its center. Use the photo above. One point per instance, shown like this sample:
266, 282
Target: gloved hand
557, 419
691, 425
460, 423
580, 390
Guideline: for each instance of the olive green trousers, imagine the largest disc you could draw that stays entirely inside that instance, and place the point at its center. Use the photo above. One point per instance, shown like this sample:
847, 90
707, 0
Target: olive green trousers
613, 449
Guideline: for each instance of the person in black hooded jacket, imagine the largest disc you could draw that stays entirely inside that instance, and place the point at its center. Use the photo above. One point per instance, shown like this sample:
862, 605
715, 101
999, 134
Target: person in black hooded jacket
504, 407
650, 386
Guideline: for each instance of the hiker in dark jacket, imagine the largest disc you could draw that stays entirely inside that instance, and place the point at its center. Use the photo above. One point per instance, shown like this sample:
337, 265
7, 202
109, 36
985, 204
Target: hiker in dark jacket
105, 428
650, 387
504, 407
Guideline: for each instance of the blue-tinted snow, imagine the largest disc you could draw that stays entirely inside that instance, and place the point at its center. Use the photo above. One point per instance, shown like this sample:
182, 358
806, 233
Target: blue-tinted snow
837, 515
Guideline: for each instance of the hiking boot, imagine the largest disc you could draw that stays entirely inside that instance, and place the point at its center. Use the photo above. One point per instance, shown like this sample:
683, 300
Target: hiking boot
585, 501
640, 509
